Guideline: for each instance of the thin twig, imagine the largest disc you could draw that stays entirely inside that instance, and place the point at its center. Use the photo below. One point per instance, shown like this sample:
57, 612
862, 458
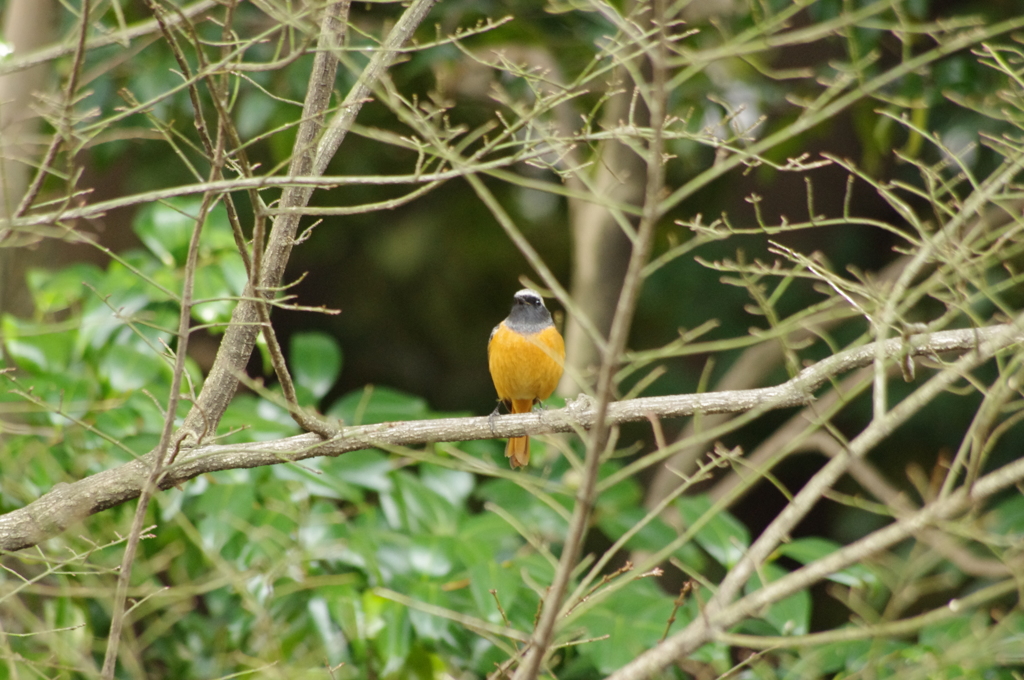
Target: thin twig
66, 124
165, 450
611, 355
44, 55
100, 208
721, 612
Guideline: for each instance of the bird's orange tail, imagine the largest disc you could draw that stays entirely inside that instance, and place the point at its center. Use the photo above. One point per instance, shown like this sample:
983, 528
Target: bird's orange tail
518, 451
518, 448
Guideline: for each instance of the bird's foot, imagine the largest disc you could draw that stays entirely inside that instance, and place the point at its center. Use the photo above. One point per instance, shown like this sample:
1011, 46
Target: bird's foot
494, 414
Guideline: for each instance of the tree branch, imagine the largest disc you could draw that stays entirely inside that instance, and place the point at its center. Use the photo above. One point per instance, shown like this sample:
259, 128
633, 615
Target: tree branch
720, 612
621, 322
43, 55
240, 337
313, 152
66, 504
708, 626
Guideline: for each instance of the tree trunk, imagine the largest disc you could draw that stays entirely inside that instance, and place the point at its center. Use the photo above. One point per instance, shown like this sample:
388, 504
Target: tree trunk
27, 26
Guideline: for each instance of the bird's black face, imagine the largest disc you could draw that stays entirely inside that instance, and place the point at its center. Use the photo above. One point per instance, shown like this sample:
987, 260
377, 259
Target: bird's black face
528, 312
528, 299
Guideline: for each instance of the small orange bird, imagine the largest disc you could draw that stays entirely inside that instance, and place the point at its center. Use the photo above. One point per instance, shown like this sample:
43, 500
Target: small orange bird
526, 354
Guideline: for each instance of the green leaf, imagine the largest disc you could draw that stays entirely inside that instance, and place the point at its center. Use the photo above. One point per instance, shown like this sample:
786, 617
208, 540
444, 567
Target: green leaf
127, 367
487, 538
718, 655
315, 360
414, 507
625, 494
323, 527
37, 348
1007, 518
257, 419
217, 239
811, 548
530, 511
330, 635
374, 404
121, 297
428, 626
452, 485
393, 631
790, 615
346, 608
821, 660
223, 508
722, 535
653, 537
324, 485
503, 580
634, 618
166, 230
233, 271
55, 291
368, 469
421, 664
253, 114
213, 296
949, 632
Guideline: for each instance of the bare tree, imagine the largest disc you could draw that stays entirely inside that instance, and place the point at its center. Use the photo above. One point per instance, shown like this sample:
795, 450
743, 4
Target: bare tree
945, 316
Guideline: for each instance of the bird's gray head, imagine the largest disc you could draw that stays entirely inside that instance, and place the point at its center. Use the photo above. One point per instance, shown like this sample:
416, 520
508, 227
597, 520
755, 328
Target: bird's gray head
528, 315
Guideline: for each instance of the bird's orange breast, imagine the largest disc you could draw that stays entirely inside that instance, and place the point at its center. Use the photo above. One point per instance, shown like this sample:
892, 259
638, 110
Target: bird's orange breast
525, 366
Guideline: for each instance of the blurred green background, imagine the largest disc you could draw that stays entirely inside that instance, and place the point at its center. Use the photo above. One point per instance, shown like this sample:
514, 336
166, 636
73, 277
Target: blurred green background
285, 566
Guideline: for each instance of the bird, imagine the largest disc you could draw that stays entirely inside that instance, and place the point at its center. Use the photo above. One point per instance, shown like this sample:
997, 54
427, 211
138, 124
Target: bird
526, 356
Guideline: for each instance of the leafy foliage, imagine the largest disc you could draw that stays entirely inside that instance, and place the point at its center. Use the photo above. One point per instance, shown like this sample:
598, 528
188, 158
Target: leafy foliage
363, 559
434, 562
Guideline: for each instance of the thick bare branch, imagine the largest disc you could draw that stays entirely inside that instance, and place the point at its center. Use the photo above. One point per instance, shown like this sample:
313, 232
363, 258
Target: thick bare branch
66, 504
27, 23
313, 152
